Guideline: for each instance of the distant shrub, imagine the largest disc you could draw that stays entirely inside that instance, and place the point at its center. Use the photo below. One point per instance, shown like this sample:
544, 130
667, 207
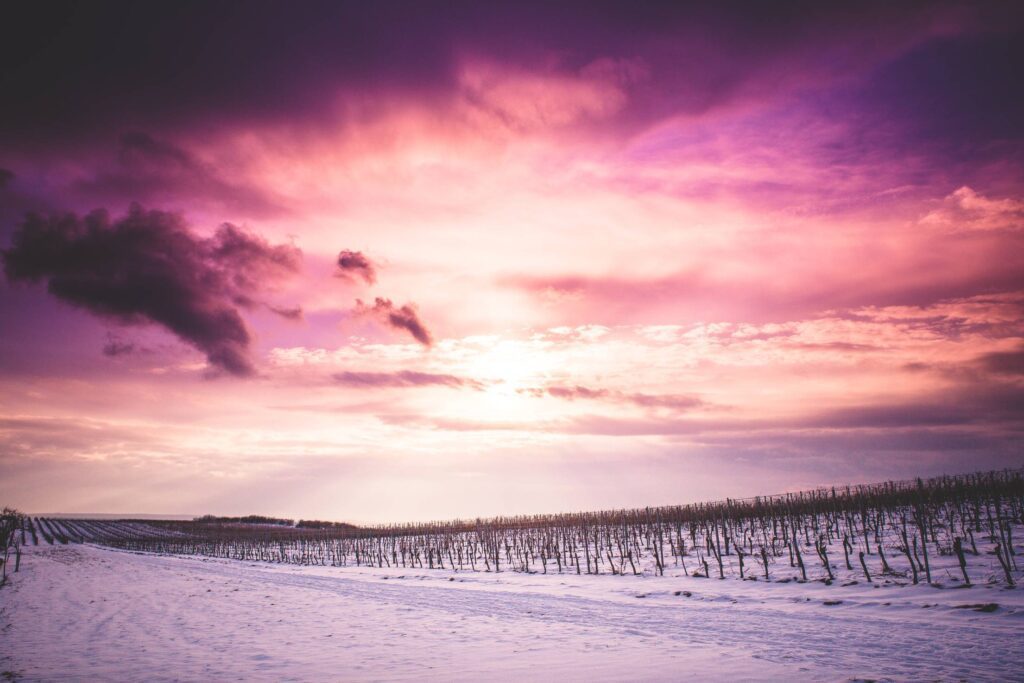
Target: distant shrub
320, 524
248, 519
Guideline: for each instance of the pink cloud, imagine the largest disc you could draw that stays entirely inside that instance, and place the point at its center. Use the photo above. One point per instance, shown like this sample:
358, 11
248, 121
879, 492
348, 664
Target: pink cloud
572, 393
355, 264
526, 100
402, 378
966, 210
400, 317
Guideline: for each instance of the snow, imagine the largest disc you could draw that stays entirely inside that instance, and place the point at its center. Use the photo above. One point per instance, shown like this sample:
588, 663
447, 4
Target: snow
84, 612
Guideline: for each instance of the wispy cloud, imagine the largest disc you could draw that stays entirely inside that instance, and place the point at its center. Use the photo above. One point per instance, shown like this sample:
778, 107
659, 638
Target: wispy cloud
572, 393
403, 378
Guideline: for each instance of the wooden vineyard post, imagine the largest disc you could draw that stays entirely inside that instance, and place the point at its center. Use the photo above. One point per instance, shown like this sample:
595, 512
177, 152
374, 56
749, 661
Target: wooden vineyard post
959, 549
864, 566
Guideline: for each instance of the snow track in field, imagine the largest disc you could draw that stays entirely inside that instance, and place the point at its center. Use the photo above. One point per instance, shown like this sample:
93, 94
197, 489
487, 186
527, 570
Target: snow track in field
87, 613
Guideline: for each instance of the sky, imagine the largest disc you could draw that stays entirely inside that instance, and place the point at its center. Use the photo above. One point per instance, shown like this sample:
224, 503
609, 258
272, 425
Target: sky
401, 261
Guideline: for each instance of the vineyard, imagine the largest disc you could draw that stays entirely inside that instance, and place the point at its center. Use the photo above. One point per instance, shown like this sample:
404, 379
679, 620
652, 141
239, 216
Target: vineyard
768, 588
954, 529
33, 531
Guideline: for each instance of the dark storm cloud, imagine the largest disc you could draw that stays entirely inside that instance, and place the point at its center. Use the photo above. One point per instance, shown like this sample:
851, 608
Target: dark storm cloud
402, 318
403, 378
71, 69
150, 268
148, 169
353, 264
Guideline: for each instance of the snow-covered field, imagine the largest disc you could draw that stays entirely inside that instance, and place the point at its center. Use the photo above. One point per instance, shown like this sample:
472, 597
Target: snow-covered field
83, 612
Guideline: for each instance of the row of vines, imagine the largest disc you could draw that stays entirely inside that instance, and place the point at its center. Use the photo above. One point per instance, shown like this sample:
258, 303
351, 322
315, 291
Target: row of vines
940, 529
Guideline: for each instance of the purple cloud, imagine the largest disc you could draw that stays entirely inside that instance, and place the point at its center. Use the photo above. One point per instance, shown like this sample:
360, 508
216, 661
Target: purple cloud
150, 268
292, 313
355, 264
148, 169
116, 347
279, 60
403, 318
1004, 362
403, 378
571, 393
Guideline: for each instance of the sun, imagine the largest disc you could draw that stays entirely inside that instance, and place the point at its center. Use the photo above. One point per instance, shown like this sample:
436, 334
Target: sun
516, 364
511, 373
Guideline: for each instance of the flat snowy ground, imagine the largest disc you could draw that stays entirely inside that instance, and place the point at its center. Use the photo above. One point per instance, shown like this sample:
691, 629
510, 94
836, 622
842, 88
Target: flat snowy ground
82, 612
